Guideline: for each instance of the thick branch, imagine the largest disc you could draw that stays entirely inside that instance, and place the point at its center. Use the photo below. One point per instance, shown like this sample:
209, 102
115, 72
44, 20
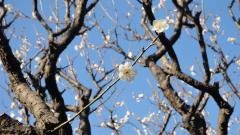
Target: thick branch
163, 80
194, 123
235, 20
20, 87
38, 16
147, 5
9, 126
51, 85
69, 35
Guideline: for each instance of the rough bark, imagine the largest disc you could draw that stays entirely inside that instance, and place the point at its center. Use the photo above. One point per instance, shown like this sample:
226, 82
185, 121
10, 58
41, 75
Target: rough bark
34, 103
193, 122
84, 125
9, 126
51, 85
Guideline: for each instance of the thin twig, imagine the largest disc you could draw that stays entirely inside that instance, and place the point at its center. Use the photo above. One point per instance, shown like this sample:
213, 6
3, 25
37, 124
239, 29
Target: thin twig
104, 91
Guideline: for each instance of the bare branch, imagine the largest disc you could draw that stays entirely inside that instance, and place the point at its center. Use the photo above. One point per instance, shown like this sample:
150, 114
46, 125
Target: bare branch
104, 91
39, 17
166, 121
230, 10
20, 87
11, 126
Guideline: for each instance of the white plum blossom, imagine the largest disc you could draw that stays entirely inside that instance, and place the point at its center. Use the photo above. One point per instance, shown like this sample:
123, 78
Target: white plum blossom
204, 113
90, 13
146, 119
128, 14
114, 117
225, 97
21, 111
205, 30
92, 46
115, 125
211, 70
77, 97
72, 15
126, 71
129, 54
19, 119
13, 105
57, 77
202, 21
51, 19
215, 23
34, 15
8, 7
193, 73
213, 38
52, 110
125, 118
231, 39
169, 20
107, 39
99, 110
119, 104
211, 131
139, 97
161, 3
24, 49
68, 116
37, 59
103, 124
97, 67
83, 42
237, 62
160, 25
18, 54
12, 114
191, 68
22, 64
76, 47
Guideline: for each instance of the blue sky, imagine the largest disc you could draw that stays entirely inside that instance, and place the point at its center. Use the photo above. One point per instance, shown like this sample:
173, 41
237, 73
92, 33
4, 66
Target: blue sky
186, 48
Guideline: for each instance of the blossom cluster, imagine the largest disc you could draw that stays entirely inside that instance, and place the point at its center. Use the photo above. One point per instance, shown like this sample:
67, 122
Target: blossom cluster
126, 71
160, 25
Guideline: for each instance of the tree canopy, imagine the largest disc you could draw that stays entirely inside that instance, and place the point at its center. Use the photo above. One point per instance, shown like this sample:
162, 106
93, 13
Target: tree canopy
119, 67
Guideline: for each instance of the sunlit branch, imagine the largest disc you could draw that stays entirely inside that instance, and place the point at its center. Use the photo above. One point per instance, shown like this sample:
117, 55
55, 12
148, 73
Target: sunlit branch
236, 20
39, 17
105, 90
